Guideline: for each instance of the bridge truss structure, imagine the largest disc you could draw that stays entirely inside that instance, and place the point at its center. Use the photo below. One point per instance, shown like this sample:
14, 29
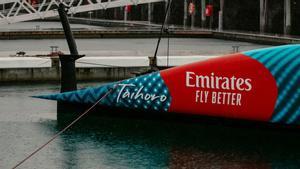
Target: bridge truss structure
13, 11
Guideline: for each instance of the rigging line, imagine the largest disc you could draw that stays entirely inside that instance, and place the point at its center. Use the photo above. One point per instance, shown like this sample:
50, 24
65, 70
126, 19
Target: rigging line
168, 50
162, 27
168, 44
99, 64
89, 63
66, 128
168, 35
44, 62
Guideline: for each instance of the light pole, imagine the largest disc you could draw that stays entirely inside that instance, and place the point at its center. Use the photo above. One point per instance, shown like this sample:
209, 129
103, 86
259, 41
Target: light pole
125, 13
287, 17
149, 13
184, 13
203, 17
263, 15
192, 13
90, 14
221, 12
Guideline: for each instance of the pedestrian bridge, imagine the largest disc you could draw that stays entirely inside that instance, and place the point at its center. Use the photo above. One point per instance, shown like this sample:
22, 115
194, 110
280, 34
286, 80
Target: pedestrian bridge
13, 11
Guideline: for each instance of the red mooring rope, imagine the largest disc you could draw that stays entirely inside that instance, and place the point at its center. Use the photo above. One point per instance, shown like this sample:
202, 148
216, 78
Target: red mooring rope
63, 130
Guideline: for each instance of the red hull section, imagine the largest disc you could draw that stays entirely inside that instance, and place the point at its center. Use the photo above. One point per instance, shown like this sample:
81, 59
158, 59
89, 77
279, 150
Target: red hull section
234, 86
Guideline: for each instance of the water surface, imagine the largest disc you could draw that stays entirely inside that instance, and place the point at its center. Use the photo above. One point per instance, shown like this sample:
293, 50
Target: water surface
115, 142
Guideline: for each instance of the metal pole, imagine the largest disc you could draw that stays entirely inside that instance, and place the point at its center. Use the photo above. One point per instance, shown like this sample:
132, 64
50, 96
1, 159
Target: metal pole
154, 58
192, 21
185, 14
203, 17
68, 71
211, 18
149, 13
193, 16
287, 17
166, 8
263, 15
221, 12
125, 14
67, 29
90, 14
166, 4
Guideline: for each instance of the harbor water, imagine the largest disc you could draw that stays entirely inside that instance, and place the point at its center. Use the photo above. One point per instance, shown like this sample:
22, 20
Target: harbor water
115, 142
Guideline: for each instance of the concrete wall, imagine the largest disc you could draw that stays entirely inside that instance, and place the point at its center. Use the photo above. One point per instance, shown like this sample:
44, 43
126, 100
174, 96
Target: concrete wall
53, 74
22, 69
31, 69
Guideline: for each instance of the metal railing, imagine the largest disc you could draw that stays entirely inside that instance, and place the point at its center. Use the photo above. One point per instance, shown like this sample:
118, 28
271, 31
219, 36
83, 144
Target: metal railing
21, 10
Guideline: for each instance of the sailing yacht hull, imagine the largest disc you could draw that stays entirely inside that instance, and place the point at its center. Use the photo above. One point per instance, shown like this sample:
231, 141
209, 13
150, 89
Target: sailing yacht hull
260, 85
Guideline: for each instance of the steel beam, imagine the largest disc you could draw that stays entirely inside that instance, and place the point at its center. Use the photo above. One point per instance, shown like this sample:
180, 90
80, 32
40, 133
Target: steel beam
21, 10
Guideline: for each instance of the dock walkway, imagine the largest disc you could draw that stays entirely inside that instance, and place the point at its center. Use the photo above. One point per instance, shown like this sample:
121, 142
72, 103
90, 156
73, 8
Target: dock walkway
23, 69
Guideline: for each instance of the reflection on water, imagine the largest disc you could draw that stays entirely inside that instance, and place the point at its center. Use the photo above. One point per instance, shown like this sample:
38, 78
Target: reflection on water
124, 142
